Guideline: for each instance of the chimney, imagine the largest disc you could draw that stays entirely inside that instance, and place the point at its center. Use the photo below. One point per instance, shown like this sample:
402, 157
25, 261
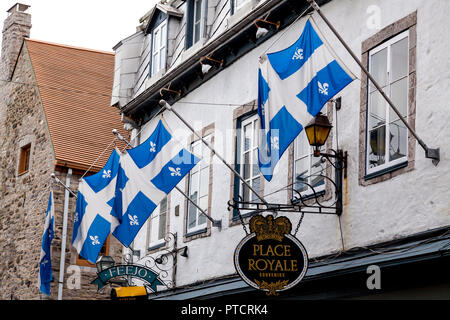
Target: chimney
15, 28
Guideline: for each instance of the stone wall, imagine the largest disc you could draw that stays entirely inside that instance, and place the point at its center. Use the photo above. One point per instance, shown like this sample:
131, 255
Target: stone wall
24, 198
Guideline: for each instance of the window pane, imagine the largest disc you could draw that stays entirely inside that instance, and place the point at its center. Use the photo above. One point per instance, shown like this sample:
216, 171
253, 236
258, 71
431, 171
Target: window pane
162, 40
317, 172
399, 59
246, 165
255, 170
192, 218
377, 143
162, 225
198, 11
378, 68
256, 185
398, 140
156, 40
377, 110
399, 95
245, 192
162, 59
155, 65
302, 147
301, 174
193, 187
247, 136
204, 181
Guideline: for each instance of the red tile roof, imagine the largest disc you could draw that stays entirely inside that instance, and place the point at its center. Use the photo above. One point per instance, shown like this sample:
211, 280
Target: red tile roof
75, 86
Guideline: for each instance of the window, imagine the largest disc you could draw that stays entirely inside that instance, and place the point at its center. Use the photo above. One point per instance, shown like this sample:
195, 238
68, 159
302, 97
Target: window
308, 171
199, 187
195, 22
387, 136
158, 225
24, 159
248, 159
159, 47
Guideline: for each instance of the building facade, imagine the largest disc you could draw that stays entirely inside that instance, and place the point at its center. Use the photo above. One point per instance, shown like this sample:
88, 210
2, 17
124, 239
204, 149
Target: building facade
394, 197
54, 118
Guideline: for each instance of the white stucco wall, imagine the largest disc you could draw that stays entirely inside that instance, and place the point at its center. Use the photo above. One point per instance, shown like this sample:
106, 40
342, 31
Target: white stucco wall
409, 203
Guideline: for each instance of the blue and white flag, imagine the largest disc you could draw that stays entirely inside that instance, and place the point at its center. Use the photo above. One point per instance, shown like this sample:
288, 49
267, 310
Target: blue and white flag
147, 174
45, 260
293, 86
92, 220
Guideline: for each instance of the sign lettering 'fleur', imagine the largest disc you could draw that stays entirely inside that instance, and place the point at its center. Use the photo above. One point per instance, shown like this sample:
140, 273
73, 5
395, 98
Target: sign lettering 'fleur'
298, 55
323, 88
175, 172
133, 220
95, 240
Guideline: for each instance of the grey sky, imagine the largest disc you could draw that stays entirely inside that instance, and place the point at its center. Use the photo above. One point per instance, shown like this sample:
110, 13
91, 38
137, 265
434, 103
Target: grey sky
94, 24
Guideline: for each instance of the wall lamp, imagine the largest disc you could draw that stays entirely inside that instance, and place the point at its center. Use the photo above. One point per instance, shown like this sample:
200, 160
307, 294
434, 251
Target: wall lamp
183, 252
317, 132
263, 26
207, 63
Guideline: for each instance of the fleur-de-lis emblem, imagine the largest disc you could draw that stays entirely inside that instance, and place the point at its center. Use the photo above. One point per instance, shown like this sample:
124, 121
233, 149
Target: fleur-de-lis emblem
298, 54
106, 174
275, 142
75, 218
44, 262
133, 220
95, 240
152, 147
323, 88
175, 172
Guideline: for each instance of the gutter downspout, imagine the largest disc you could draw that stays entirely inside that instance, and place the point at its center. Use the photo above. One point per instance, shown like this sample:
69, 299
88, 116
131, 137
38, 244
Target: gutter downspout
64, 236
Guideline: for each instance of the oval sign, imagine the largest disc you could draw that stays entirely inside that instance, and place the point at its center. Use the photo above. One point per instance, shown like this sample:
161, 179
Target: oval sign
269, 258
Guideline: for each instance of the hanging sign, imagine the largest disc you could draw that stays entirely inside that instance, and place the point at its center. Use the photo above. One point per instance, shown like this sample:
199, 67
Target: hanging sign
136, 271
270, 258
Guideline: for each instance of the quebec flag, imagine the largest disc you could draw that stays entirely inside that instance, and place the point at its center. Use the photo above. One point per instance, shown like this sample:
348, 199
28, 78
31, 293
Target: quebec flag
45, 260
147, 174
92, 220
293, 86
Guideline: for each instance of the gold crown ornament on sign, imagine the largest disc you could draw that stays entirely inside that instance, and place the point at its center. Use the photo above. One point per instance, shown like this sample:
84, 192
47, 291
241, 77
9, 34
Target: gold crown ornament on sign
267, 228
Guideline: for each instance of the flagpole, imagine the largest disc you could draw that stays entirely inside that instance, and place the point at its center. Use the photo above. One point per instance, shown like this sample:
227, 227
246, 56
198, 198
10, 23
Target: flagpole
433, 154
164, 104
64, 237
215, 223
61, 183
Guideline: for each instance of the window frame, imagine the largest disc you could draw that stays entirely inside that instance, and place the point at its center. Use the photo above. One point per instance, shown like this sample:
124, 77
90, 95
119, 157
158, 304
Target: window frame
24, 159
191, 21
153, 244
162, 48
388, 123
407, 23
309, 192
253, 152
198, 169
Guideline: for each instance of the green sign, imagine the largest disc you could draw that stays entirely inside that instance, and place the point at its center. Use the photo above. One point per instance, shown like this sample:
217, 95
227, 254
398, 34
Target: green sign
136, 271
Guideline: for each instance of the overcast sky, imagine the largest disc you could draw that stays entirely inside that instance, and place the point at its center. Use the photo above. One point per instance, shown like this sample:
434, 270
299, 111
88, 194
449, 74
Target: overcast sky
94, 24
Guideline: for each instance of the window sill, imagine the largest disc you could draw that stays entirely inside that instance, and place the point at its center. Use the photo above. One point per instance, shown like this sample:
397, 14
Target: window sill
385, 171
156, 245
195, 232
